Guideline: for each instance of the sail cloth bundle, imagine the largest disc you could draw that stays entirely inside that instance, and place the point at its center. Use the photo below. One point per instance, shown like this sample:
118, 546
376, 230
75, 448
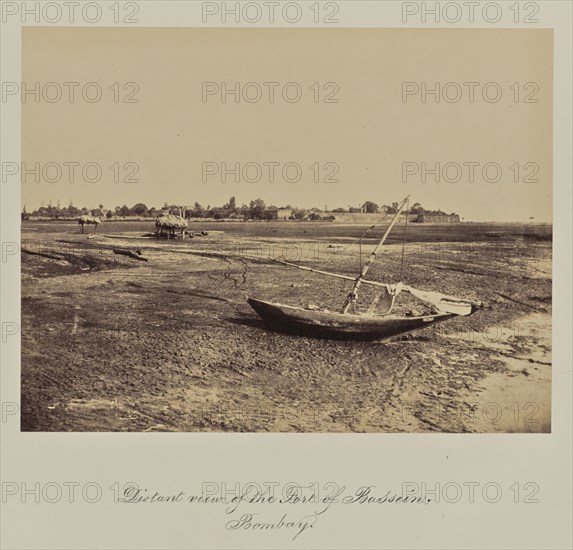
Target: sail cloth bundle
442, 303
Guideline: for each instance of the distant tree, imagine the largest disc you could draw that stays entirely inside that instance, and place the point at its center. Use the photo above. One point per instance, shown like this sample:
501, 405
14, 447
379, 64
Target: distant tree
257, 209
197, 211
232, 204
300, 214
124, 211
392, 209
50, 210
71, 211
370, 207
417, 208
243, 211
173, 209
109, 215
140, 209
340, 210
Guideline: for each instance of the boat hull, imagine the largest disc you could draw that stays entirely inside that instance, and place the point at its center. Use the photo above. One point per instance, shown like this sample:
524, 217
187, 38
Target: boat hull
339, 326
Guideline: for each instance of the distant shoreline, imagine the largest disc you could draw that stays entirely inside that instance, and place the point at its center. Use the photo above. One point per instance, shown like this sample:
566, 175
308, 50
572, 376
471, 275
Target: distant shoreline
232, 220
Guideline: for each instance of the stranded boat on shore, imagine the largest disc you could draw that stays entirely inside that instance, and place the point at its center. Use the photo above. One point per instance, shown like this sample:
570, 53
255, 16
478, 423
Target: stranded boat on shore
378, 322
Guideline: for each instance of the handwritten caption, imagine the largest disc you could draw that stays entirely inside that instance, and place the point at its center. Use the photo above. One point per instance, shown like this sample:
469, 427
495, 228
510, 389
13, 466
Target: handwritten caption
270, 506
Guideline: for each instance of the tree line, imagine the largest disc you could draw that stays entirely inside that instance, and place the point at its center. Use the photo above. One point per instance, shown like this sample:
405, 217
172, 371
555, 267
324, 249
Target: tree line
256, 210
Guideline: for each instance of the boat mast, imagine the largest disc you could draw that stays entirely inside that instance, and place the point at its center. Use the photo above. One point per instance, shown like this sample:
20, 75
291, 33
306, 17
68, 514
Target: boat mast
353, 294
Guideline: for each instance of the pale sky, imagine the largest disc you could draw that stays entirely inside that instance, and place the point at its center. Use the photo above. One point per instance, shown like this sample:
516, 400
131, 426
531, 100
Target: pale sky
368, 135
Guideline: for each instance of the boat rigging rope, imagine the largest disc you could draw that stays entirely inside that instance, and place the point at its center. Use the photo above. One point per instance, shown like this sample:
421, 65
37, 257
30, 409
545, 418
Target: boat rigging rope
336, 253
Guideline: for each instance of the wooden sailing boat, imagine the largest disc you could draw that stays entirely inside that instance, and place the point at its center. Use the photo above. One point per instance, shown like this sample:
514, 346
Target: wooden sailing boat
362, 326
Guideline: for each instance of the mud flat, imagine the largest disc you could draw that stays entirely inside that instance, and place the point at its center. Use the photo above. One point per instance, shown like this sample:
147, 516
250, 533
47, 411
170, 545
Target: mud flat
518, 399
113, 344
514, 395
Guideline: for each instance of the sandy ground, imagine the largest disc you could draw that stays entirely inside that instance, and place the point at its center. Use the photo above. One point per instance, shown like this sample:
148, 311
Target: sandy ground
110, 343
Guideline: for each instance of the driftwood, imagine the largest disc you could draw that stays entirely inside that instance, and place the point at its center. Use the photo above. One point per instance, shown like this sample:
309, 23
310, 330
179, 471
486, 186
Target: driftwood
54, 256
135, 255
192, 234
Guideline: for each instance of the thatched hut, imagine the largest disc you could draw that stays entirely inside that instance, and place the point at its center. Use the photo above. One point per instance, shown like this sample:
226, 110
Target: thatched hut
90, 220
167, 224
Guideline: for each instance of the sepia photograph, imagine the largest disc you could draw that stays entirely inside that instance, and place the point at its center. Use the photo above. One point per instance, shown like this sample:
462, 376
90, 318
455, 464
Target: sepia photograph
286, 274
286, 230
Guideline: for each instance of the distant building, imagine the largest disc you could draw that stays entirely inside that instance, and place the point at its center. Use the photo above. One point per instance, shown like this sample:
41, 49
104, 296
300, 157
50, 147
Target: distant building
284, 213
440, 218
